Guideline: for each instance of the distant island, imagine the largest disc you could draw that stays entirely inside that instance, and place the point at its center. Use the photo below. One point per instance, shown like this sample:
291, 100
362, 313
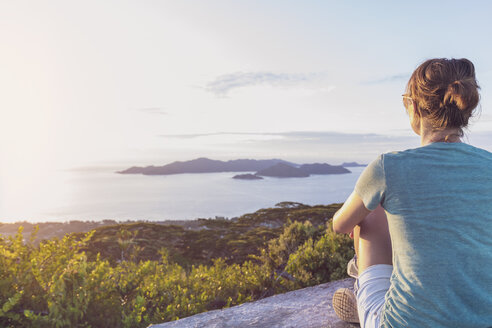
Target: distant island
352, 164
282, 170
247, 176
205, 165
324, 168
267, 168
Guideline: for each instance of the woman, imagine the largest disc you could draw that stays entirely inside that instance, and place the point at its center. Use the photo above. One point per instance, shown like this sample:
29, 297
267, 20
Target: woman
433, 266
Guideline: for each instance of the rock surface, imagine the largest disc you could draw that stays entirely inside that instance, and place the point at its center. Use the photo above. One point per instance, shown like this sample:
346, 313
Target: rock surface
304, 308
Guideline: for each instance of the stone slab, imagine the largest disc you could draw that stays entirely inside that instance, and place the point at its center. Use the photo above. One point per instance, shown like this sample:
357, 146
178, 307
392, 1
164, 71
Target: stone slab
304, 308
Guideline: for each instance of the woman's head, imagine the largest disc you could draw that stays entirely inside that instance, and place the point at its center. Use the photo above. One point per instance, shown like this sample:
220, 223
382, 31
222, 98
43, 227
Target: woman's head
444, 92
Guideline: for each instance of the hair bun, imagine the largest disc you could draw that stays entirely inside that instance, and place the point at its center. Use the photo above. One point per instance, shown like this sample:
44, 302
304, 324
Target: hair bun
461, 94
446, 91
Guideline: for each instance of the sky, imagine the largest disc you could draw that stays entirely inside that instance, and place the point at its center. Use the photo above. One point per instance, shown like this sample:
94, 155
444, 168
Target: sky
118, 83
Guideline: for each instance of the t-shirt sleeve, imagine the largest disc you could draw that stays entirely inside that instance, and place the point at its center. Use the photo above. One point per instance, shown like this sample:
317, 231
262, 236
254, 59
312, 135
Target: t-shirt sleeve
371, 185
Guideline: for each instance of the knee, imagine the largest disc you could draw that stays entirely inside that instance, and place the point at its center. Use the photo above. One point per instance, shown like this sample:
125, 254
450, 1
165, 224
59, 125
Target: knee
375, 224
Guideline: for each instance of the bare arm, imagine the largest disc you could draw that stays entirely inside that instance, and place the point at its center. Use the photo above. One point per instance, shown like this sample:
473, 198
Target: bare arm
350, 214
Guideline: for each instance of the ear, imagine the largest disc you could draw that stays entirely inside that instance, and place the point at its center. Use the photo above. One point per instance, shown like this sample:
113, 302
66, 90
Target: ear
415, 118
414, 109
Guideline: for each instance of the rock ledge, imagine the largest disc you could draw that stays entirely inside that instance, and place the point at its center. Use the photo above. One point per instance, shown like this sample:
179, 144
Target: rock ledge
304, 308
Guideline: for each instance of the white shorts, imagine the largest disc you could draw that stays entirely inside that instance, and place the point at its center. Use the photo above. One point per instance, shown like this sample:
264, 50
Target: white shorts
370, 289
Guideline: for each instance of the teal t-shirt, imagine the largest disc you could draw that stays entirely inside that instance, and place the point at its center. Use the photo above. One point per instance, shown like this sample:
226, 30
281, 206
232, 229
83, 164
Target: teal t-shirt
438, 200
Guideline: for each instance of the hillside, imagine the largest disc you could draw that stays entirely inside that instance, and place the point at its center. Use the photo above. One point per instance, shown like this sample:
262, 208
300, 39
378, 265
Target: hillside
134, 274
188, 241
202, 240
49, 230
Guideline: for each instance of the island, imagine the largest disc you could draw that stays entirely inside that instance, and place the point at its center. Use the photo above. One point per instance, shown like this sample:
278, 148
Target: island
266, 167
247, 176
352, 164
282, 170
205, 165
324, 168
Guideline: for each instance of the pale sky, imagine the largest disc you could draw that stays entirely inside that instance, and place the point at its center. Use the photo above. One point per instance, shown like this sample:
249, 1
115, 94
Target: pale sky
91, 83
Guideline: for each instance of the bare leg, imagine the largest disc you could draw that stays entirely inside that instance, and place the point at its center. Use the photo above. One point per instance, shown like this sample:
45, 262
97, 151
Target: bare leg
372, 245
372, 241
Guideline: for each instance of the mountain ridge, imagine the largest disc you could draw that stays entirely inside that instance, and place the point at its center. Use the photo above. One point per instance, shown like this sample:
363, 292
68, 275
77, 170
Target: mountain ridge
352, 164
206, 165
281, 170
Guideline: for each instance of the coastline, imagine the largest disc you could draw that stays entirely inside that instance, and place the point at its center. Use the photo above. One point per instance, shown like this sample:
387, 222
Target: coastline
53, 229
89, 196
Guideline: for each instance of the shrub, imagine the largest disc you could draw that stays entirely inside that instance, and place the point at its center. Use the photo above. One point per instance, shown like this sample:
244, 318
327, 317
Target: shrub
56, 285
322, 260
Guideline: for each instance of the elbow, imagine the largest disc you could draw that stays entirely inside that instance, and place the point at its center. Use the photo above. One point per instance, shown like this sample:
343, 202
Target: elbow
340, 229
336, 230
337, 226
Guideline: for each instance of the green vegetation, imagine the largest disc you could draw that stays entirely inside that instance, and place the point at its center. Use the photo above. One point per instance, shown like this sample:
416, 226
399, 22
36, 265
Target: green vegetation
136, 274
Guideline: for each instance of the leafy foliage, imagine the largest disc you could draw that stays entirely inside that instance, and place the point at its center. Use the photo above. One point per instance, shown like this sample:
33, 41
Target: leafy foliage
321, 260
66, 283
233, 240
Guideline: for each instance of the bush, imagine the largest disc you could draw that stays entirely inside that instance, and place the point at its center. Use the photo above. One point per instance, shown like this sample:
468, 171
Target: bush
322, 260
55, 284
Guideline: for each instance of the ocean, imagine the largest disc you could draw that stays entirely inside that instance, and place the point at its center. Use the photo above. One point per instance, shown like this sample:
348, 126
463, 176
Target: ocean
93, 195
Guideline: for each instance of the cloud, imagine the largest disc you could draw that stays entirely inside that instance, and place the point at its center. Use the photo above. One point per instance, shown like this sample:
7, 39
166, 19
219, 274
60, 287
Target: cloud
312, 136
153, 110
389, 79
300, 146
224, 137
297, 146
198, 135
223, 84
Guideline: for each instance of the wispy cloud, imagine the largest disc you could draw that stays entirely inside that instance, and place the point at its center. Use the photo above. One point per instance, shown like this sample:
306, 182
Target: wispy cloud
314, 145
389, 79
152, 110
223, 84
194, 135
300, 146
314, 136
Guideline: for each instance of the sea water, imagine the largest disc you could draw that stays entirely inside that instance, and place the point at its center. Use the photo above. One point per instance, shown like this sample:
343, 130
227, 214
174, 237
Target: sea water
104, 194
